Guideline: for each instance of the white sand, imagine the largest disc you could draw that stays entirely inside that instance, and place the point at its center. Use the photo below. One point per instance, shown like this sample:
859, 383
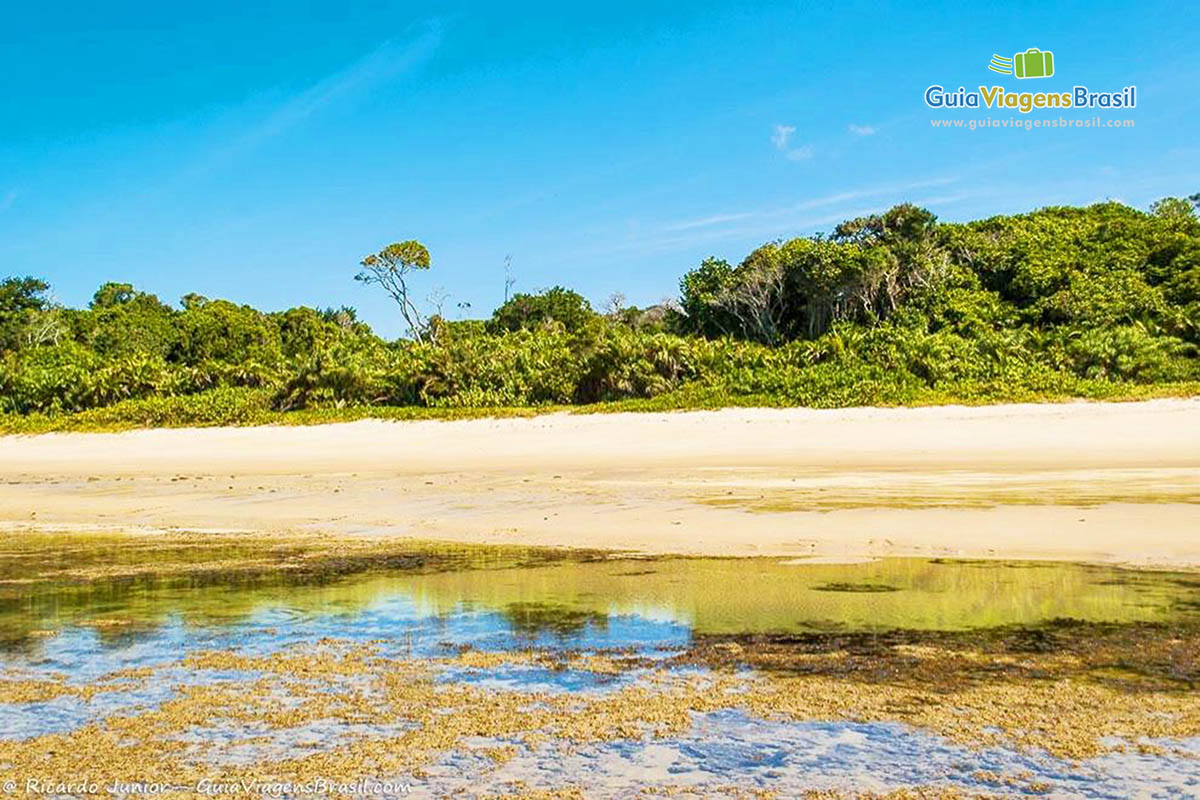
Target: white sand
1117, 482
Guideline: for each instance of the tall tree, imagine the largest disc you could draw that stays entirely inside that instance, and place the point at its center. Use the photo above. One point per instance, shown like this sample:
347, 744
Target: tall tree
23, 294
113, 294
390, 269
27, 314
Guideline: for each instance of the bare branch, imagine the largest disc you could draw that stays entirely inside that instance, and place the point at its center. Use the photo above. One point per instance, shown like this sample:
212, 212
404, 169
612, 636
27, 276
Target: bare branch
509, 280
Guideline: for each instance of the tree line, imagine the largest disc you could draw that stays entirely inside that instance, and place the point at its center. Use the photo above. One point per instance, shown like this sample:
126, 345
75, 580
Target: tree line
1097, 301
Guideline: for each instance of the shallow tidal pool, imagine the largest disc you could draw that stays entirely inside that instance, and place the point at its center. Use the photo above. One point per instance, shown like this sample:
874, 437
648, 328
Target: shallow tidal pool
206, 664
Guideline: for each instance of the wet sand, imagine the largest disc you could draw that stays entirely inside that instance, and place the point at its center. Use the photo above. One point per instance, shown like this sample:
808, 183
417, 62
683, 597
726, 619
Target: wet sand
1080, 481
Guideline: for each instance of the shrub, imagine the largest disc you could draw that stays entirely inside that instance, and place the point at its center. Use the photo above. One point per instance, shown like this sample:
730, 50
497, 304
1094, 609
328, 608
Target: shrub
1102, 301
529, 311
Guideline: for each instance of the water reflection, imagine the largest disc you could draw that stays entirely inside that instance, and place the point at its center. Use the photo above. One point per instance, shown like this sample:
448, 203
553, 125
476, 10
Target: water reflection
576, 602
535, 619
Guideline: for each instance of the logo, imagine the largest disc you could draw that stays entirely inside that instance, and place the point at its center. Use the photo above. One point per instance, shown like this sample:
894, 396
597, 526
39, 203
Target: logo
1033, 63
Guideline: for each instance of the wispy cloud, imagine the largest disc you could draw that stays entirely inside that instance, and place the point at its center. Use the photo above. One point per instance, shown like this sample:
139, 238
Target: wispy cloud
838, 198
680, 240
223, 139
799, 153
791, 219
7, 200
704, 222
385, 63
943, 199
781, 138
862, 130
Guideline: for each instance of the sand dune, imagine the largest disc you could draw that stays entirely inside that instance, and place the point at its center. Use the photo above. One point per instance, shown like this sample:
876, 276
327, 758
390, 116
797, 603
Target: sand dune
1117, 482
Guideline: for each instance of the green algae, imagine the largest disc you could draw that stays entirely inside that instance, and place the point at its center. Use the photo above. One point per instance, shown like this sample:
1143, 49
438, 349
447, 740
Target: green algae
51, 581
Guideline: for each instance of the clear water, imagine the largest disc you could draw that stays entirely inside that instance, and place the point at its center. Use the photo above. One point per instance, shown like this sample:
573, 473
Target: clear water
652, 608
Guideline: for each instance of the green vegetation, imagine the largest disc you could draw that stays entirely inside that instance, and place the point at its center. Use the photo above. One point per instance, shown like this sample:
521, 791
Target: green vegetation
51, 580
1098, 302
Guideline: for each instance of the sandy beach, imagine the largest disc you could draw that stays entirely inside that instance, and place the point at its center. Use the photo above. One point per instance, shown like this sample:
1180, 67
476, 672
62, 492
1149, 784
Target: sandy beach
1085, 481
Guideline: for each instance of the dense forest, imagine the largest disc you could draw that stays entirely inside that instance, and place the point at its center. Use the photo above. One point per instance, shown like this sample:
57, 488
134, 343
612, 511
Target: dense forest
1102, 301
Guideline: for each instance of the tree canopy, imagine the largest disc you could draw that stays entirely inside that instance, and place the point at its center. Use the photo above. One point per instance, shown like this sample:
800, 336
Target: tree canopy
529, 311
897, 307
390, 269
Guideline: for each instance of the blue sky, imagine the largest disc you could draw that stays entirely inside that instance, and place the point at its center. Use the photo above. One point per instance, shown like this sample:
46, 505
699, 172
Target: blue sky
256, 151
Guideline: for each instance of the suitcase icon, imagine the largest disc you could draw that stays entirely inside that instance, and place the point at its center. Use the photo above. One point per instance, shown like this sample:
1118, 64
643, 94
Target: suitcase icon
1033, 63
